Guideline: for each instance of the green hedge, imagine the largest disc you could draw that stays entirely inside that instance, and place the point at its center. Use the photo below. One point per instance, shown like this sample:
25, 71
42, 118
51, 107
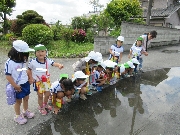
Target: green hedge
35, 34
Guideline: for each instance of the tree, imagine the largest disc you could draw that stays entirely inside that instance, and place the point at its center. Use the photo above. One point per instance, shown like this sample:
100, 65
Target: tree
124, 10
6, 9
96, 4
103, 22
81, 23
28, 17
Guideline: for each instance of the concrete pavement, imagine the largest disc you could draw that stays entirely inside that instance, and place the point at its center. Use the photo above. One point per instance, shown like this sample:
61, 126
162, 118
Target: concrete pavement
158, 58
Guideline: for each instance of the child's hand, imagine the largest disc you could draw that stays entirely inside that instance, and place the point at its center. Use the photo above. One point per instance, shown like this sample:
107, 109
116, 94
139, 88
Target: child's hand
31, 80
60, 66
18, 88
146, 54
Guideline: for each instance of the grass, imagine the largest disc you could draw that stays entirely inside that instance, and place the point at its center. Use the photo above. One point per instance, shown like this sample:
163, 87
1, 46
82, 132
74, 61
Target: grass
70, 50
60, 48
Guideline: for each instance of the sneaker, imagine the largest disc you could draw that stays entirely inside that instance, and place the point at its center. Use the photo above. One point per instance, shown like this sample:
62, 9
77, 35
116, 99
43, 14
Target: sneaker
114, 82
20, 119
49, 101
91, 87
42, 111
99, 89
28, 114
83, 97
68, 100
89, 93
141, 70
47, 107
111, 83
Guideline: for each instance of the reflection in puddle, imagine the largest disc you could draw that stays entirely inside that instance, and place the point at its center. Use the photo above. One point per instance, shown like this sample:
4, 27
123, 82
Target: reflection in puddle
145, 104
171, 51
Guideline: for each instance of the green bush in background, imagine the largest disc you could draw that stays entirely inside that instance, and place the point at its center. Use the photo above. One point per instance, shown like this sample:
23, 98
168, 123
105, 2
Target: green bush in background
35, 34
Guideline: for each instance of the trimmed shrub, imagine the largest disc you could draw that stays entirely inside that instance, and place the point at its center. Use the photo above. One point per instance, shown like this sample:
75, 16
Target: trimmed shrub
79, 35
35, 34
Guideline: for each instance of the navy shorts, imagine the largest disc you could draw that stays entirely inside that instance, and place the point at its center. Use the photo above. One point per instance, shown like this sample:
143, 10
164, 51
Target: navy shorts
25, 90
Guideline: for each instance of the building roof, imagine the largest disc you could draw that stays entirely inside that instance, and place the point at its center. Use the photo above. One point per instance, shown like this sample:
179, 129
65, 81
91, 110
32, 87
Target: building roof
166, 12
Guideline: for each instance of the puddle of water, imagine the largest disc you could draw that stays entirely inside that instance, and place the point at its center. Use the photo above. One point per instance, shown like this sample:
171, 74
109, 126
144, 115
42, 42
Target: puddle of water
171, 51
145, 104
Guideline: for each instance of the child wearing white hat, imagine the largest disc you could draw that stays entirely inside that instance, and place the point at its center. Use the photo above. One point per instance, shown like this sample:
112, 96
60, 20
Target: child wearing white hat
86, 63
17, 76
110, 65
79, 81
117, 50
98, 75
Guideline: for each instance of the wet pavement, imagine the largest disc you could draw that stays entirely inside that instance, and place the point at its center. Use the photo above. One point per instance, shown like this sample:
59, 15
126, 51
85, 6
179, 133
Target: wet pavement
146, 104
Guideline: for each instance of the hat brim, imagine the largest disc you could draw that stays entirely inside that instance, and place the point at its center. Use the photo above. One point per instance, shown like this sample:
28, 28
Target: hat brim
63, 75
30, 50
74, 78
38, 48
87, 59
25, 51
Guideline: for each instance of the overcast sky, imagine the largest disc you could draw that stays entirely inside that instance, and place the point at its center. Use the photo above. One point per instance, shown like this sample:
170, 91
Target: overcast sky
53, 10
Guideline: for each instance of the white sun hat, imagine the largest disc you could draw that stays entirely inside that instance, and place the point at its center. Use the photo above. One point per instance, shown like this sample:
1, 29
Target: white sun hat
79, 74
90, 55
99, 57
130, 64
102, 64
134, 60
120, 38
122, 68
110, 63
94, 55
21, 46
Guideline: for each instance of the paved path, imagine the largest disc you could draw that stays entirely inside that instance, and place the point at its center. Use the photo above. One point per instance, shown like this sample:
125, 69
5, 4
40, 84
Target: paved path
156, 59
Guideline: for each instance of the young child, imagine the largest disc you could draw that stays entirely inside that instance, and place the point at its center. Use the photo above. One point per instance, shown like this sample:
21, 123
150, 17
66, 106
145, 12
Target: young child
60, 89
79, 81
85, 64
129, 67
117, 50
136, 49
39, 67
135, 63
110, 74
18, 56
98, 76
119, 70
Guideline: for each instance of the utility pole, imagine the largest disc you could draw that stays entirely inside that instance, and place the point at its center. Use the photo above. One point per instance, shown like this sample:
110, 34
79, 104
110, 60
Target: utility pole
149, 12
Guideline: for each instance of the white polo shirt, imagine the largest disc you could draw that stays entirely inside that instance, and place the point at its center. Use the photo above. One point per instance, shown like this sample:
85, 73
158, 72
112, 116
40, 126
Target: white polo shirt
136, 50
34, 64
11, 68
55, 87
117, 50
